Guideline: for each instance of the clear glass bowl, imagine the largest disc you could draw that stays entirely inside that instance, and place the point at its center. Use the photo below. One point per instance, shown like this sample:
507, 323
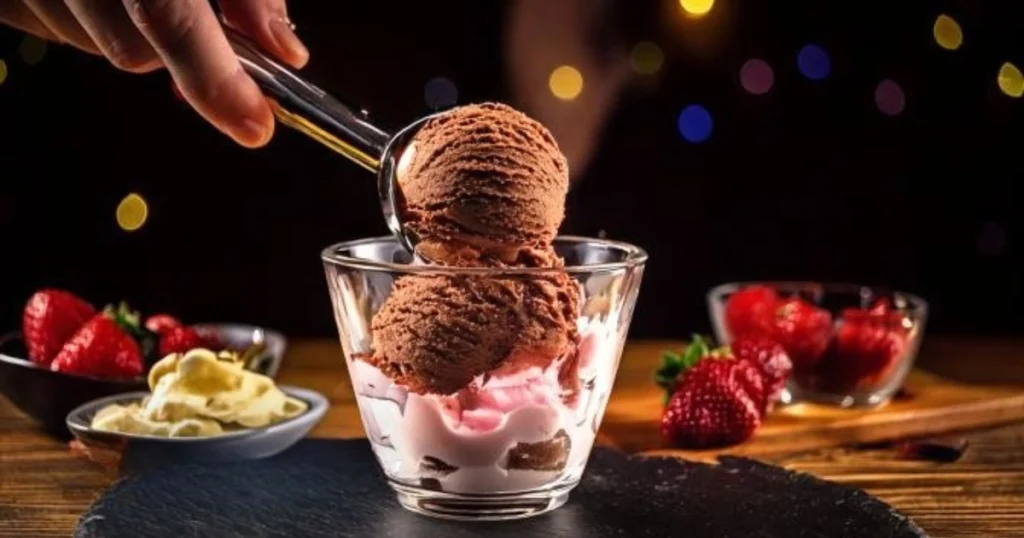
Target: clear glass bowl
855, 367
490, 404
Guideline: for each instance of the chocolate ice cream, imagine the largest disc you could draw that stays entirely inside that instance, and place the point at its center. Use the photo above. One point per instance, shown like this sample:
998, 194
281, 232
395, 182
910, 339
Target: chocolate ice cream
550, 455
484, 184
435, 334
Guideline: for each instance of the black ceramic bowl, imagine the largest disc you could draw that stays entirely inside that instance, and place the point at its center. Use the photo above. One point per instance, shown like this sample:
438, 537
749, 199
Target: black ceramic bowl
49, 396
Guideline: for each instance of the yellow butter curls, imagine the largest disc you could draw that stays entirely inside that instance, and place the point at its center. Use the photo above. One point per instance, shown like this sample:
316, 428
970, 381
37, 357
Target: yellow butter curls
201, 393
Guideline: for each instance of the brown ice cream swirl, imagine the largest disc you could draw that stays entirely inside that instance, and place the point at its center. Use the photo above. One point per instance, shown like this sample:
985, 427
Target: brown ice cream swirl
482, 186
485, 184
435, 334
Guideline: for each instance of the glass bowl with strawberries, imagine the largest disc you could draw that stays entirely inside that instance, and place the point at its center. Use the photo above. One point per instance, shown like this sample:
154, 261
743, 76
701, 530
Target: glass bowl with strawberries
850, 345
69, 352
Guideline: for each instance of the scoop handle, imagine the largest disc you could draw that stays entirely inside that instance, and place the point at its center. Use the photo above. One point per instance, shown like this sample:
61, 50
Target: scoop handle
302, 106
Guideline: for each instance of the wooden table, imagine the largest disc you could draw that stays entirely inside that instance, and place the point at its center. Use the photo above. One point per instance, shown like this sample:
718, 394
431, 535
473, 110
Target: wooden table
44, 488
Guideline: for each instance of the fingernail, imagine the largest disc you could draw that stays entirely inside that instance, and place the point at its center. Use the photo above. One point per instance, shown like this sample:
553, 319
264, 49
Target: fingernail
253, 132
284, 34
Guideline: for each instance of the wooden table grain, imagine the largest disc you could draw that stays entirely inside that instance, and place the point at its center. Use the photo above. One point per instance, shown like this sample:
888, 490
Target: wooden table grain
44, 487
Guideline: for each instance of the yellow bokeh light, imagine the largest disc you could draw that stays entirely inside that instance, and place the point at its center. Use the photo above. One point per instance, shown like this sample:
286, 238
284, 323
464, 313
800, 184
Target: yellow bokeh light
1011, 81
32, 49
132, 212
697, 7
566, 82
646, 58
947, 33
3, 71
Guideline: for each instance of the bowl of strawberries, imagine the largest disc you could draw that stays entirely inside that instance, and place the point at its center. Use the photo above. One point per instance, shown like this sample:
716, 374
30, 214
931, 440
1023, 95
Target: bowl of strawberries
850, 345
68, 352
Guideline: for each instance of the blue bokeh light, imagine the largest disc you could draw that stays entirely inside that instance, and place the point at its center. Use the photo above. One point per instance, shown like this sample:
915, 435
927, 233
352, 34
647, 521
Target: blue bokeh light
440, 93
813, 62
695, 124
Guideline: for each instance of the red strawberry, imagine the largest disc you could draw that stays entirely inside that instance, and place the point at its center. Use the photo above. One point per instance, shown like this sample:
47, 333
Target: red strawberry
50, 318
161, 323
880, 310
714, 405
804, 331
749, 311
100, 348
182, 339
211, 338
881, 305
868, 346
770, 359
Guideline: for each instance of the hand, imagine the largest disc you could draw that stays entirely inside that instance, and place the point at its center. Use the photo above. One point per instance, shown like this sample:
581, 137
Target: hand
184, 36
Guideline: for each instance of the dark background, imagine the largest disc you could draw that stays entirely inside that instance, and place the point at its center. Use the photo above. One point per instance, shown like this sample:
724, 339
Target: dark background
809, 181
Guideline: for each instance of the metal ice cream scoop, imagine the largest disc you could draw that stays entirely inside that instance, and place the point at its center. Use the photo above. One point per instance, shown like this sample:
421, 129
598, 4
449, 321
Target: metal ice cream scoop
302, 106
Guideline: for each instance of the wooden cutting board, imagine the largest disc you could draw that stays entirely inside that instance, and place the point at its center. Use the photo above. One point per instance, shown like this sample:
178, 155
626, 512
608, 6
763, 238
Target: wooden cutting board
934, 404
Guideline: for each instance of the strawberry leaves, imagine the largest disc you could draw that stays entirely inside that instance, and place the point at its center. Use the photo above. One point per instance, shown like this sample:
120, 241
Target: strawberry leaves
131, 323
674, 364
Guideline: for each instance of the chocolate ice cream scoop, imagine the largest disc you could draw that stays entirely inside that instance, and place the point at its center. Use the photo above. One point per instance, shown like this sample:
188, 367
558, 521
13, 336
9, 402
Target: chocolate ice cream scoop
483, 183
435, 334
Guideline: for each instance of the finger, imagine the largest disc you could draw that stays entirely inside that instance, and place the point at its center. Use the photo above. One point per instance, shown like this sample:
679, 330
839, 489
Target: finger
61, 22
190, 40
114, 33
15, 14
267, 22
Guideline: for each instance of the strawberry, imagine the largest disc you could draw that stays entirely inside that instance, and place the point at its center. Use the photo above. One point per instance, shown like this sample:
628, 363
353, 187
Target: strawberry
674, 365
749, 311
49, 319
868, 346
713, 405
880, 310
211, 338
803, 330
100, 348
161, 323
183, 339
770, 360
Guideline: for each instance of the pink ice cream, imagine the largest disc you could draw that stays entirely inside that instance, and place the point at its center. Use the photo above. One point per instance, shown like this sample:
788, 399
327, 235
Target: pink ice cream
499, 434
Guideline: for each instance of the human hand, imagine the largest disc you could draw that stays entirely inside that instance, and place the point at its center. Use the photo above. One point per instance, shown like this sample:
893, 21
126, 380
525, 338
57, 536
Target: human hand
183, 36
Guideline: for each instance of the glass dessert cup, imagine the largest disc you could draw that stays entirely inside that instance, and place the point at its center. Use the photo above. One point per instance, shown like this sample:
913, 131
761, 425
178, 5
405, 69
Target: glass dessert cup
859, 365
482, 394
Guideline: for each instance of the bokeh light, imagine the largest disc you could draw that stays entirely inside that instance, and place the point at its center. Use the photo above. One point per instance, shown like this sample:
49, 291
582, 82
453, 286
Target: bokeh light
566, 82
756, 76
889, 98
132, 212
646, 58
697, 8
440, 93
947, 33
813, 62
32, 49
3, 71
1011, 81
695, 124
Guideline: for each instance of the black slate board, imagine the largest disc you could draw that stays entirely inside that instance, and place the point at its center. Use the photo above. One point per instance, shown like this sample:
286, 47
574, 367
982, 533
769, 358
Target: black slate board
333, 488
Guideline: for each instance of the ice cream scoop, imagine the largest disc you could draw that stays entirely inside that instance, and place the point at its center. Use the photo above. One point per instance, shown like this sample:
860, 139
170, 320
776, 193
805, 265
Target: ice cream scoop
436, 333
303, 106
484, 184
500, 173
